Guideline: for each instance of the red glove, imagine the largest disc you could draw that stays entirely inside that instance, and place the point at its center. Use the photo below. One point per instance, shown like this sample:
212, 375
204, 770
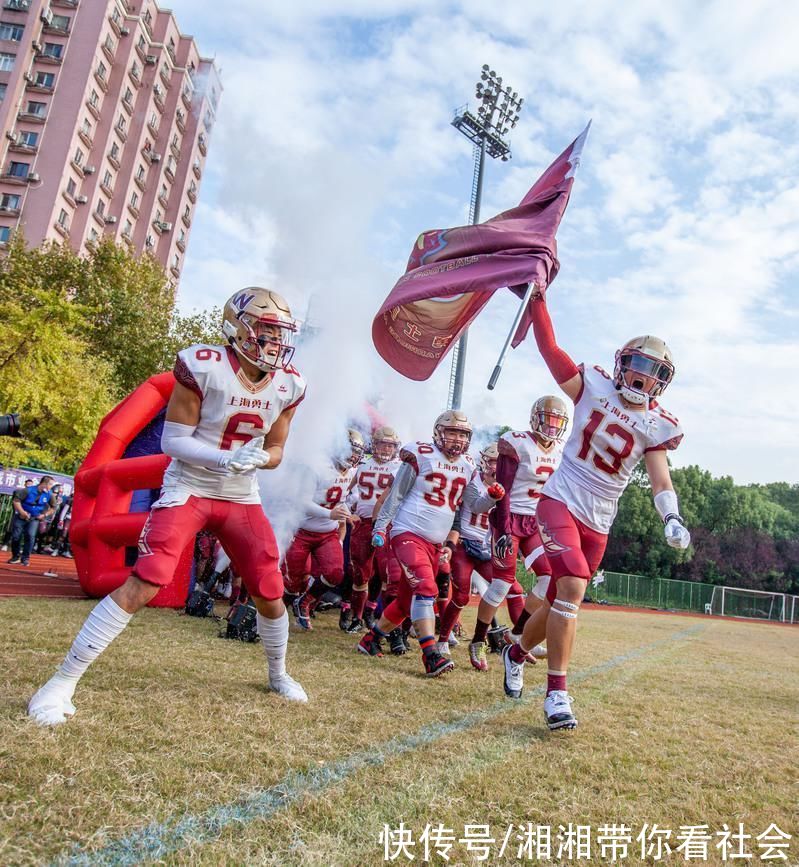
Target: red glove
496, 491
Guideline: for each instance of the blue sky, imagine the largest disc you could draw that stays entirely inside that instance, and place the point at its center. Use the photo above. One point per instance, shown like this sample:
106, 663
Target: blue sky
333, 149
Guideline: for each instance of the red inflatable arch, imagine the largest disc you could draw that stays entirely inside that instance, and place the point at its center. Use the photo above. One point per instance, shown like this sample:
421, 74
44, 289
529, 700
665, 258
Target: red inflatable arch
102, 524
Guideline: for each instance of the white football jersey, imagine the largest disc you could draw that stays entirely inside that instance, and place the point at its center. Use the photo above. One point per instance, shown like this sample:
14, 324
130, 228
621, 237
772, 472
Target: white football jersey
331, 489
607, 441
372, 478
233, 411
429, 508
536, 465
474, 525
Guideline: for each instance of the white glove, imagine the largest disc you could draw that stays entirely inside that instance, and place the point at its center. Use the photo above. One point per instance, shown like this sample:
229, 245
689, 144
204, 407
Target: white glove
677, 535
248, 457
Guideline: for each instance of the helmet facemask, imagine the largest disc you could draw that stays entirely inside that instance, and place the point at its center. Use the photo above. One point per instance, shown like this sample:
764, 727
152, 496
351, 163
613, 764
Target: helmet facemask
268, 343
549, 419
640, 377
384, 451
488, 462
452, 441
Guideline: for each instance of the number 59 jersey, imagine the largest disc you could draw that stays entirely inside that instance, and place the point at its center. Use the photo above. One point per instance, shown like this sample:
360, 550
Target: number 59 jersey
607, 441
429, 508
371, 479
233, 410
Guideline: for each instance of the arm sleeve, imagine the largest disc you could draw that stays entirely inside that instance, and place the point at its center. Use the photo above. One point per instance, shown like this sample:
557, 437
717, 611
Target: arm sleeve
506, 473
314, 510
456, 524
474, 502
178, 441
559, 362
403, 482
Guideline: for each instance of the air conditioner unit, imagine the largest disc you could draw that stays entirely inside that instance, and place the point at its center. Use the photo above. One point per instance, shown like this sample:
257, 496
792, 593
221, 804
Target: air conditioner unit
34, 177
166, 227
28, 76
37, 46
11, 136
155, 158
47, 16
151, 60
89, 170
110, 220
157, 90
124, 31
81, 200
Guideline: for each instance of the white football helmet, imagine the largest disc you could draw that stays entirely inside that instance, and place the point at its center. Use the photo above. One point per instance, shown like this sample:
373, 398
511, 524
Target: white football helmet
259, 326
488, 460
549, 418
448, 433
644, 367
385, 444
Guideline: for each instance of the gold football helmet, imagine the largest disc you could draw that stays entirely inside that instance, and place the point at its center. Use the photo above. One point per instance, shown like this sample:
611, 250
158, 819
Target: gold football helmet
448, 433
549, 418
488, 460
644, 367
259, 326
385, 444
351, 457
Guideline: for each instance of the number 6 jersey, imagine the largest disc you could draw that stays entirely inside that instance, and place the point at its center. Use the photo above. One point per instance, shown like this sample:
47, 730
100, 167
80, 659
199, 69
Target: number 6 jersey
233, 411
429, 508
607, 441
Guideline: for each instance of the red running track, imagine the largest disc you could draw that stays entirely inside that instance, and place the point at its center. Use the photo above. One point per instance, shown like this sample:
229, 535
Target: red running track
18, 580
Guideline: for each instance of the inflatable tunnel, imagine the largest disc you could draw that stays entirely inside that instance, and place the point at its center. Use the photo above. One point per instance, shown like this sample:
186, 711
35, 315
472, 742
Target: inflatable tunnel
114, 489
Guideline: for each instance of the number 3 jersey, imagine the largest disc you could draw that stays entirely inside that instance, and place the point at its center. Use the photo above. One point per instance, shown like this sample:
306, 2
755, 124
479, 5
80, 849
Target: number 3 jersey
429, 508
535, 465
233, 411
607, 441
372, 478
331, 489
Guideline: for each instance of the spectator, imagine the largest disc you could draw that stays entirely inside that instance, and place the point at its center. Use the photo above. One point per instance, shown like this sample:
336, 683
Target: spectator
30, 505
47, 523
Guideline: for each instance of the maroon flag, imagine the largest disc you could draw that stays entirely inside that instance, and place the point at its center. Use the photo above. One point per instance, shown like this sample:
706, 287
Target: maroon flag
452, 273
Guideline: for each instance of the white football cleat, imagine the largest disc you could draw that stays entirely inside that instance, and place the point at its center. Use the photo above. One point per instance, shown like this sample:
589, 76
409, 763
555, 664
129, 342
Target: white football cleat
514, 674
442, 647
49, 707
287, 687
452, 640
558, 710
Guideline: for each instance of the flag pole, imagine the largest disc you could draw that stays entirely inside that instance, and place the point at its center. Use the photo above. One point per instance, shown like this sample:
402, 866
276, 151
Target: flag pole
501, 360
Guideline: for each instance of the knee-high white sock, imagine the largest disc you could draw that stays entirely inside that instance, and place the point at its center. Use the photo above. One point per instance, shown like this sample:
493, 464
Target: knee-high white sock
274, 635
100, 628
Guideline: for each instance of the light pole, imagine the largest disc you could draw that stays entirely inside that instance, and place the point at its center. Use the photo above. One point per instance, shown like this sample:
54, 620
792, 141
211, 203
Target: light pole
497, 114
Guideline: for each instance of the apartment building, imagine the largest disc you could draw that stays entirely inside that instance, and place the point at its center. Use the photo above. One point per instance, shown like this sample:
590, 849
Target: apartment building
106, 111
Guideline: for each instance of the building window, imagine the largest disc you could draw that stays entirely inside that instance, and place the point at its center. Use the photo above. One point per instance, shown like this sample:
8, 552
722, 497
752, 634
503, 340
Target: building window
114, 152
128, 97
182, 237
149, 242
121, 123
78, 158
7, 61
5, 234
142, 44
176, 262
36, 108
86, 127
3, 87
19, 170
29, 139
140, 172
128, 228
107, 179
93, 236
45, 79
100, 207
63, 219
71, 187
135, 71
101, 70
115, 16
134, 200
164, 191
60, 22
94, 99
110, 45
9, 202
12, 32
154, 121
54, 50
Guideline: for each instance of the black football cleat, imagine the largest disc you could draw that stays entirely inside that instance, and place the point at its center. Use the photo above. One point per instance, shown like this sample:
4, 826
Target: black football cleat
344, 619
355, 625
435, 665
396, 642
370, 645
369, 618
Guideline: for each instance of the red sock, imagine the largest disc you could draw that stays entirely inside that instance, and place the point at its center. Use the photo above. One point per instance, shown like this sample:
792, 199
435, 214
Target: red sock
448, 621
515, 606
518, 626
517, 654
428, 644
358, 601
555, 681
480, 632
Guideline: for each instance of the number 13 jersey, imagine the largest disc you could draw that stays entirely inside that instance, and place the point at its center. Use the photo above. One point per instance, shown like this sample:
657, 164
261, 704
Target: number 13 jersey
607, 441
429, 508
233, 410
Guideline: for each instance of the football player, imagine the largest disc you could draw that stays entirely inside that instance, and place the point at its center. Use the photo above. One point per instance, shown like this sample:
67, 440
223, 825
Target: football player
316, 548
226, 402
372, 478
420, 506
617, 421
472, 551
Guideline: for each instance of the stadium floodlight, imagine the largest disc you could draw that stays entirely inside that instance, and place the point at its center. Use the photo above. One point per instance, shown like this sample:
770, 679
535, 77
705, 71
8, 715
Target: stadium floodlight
497, 114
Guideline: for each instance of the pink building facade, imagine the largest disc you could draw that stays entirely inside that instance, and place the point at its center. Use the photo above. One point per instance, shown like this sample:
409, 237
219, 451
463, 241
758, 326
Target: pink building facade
106, 115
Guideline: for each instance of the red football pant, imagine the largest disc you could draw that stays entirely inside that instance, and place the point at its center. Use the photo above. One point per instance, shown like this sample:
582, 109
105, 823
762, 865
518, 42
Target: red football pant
390, 572
418, 560
314, 554
526, 537
572, 547
362, 554
242, 529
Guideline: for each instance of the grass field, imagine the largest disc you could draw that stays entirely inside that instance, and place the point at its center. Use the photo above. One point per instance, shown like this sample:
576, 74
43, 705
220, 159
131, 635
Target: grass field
178, 756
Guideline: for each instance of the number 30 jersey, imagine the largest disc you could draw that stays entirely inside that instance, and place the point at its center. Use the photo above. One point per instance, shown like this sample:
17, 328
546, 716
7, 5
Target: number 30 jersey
372, 478
607, 441
331, 489
429, 508
233, 411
